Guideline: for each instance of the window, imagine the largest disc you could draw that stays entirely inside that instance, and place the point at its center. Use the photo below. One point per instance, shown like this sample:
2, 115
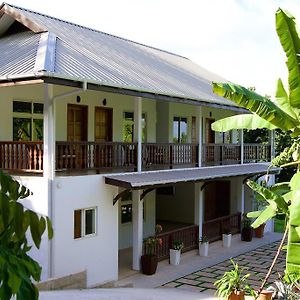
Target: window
27, 121
126, 209
128, 127
84, 222
179, 130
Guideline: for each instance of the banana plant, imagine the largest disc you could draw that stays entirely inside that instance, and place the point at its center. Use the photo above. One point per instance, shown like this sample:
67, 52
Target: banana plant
18, 270
282, 114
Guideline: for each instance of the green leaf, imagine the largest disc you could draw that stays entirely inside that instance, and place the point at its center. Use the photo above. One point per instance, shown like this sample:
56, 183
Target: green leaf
14, 281
246, 121
34, 228
268, 213
254, 214
269, 196
18, 220
261, 106
283, 100
50, 228
289, 39
295, 182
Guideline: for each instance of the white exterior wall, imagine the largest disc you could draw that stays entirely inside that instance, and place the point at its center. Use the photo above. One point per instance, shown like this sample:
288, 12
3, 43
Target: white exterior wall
181, 204
119, 104
38, 203
97, 254
125, 230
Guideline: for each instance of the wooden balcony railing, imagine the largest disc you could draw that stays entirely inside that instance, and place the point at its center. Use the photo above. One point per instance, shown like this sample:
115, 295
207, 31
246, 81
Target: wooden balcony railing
95, 156
257, 152
217, 154
213, 229
169, 154
21, 156
188, 235
28, 156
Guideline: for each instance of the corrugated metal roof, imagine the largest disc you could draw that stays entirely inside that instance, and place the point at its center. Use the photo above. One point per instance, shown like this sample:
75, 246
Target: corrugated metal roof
167, 177
18, 53
109, 60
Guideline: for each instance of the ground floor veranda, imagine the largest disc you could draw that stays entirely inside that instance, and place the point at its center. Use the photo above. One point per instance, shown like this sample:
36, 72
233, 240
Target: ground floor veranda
261, 250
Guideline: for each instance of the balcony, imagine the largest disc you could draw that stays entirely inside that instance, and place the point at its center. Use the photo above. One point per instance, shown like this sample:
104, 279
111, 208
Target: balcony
77, 157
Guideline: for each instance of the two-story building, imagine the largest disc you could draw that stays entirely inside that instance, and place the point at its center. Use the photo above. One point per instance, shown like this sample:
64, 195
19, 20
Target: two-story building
113, 137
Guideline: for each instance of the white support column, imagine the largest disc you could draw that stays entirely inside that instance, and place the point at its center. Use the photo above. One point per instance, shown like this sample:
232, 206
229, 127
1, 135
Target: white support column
241, 205
138, 130
137, 230
200, 136
199, 207
49, 133
49, 157
242, 145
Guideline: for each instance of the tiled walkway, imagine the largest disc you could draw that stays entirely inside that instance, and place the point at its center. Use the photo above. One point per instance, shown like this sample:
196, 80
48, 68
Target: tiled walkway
255, 262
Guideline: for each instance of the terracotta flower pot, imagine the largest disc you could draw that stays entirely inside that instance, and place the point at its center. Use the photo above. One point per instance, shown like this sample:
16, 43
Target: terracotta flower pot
265, 295
259, 231
237, 295
149, 264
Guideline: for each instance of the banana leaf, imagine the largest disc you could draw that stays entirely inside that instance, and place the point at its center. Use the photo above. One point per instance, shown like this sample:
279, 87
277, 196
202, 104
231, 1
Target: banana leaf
293, 246
290, 41
245, 121
283, 100
261, 106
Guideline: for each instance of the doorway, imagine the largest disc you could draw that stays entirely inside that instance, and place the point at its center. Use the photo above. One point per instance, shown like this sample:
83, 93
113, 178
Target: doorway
103, 124
217, 200
104, 152
75, 155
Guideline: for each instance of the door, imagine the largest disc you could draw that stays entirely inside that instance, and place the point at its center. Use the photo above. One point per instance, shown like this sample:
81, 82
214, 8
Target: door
104, 152
217, 200
75, 154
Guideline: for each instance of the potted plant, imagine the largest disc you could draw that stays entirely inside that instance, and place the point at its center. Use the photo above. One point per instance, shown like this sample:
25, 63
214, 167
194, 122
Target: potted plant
226, 237
233, 284
149, 260
203, 246
281, 289
247, 230
175, 252
259, 231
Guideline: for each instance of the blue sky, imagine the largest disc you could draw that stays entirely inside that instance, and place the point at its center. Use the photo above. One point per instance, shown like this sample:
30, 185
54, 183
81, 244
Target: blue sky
233, 38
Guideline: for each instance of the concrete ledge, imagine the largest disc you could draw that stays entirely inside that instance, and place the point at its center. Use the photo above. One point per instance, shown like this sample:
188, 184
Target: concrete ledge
72, 281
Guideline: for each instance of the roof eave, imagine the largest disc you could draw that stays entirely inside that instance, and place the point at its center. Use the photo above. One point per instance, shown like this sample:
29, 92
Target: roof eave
51, 77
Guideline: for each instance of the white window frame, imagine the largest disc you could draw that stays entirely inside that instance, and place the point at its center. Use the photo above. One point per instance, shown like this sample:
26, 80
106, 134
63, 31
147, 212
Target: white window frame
26, 115
83, 218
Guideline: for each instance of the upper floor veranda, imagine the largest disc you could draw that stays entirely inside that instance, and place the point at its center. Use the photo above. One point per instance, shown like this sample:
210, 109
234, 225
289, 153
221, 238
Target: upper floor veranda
77, 131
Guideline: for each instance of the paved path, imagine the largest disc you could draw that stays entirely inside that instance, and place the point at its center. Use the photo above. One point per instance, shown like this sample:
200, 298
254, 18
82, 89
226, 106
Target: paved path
255, 262
124, 294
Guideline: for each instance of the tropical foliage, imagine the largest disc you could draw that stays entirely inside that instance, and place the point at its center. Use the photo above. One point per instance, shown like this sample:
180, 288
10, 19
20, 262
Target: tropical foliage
284, 115
233, 281
17, 269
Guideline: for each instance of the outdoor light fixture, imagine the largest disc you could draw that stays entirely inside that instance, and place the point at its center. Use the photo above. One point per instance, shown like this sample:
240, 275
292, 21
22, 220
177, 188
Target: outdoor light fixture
78, 99
104, 101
